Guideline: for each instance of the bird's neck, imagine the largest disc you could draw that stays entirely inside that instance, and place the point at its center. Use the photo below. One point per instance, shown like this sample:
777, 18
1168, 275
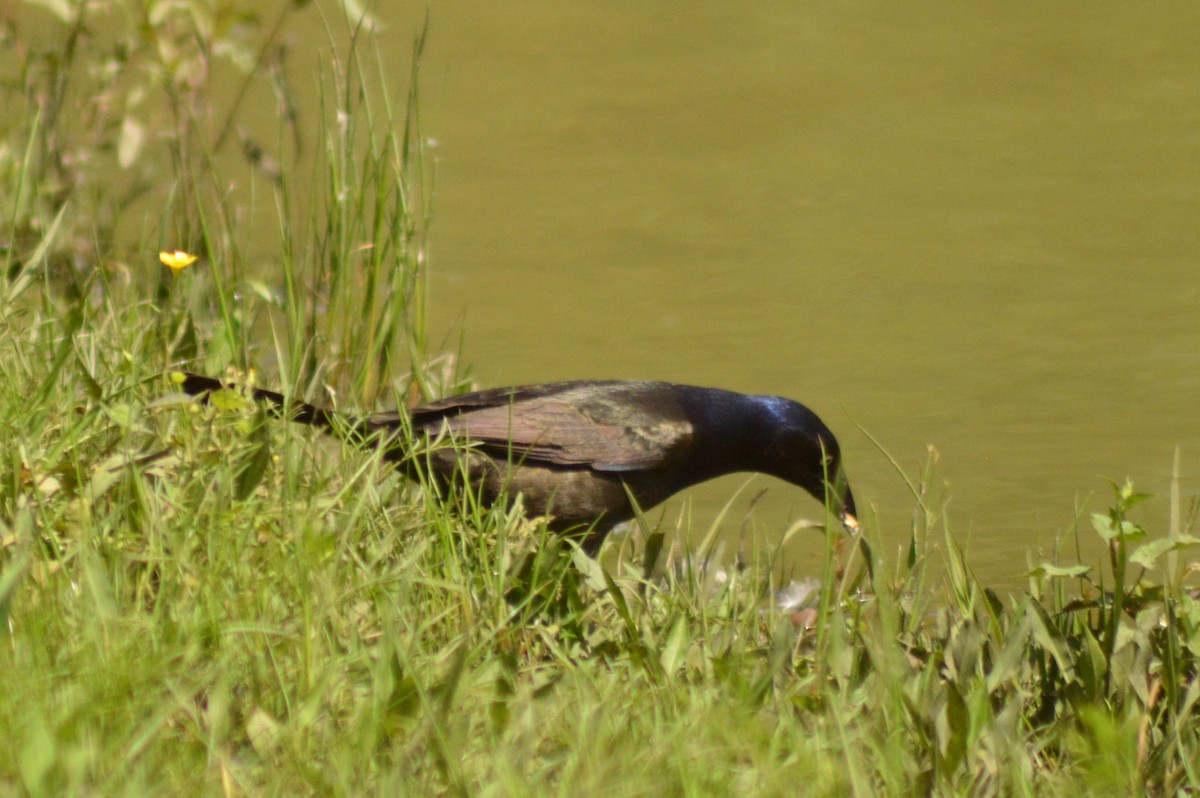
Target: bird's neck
734, 431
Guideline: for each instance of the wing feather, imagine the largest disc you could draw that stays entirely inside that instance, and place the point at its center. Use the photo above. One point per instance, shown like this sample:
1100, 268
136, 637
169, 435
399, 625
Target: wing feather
604, 426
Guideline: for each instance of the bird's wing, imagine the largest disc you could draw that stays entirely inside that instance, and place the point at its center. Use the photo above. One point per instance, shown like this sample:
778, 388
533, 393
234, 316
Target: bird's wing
606, 426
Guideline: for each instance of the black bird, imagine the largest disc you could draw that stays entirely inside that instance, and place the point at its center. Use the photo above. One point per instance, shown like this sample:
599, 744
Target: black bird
577, 451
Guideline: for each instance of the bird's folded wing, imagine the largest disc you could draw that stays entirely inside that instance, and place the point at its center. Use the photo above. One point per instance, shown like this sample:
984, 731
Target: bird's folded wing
562, 428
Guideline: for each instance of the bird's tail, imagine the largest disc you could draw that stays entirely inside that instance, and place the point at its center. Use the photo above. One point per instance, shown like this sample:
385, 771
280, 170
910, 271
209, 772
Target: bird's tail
203, 387
385, 430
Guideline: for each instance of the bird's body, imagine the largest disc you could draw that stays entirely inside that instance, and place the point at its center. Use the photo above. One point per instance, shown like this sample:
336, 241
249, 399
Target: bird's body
577, 451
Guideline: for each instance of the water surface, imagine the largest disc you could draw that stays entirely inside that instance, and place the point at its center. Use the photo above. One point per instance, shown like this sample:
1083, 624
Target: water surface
967, 228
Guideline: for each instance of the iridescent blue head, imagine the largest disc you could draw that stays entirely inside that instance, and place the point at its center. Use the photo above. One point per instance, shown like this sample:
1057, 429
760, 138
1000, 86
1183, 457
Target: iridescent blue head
795, 445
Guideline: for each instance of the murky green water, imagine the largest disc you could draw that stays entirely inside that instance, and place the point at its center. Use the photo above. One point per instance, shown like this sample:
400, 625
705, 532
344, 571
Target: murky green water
973, 228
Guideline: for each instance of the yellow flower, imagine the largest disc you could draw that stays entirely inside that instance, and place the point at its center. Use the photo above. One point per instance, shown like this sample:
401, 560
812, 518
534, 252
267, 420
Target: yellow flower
176, 261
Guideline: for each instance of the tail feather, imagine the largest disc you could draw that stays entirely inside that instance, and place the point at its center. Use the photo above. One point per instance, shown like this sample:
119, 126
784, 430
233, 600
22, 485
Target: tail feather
302, 412
385, 430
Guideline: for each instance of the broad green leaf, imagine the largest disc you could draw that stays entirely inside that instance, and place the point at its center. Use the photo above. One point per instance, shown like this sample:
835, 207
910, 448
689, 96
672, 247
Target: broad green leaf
253, 469
1125, 530
1148, 553
1008, 666
614, 591
105, 476
228, 399
593, 572
124, 415
953, 727
1050, 639
654, 547
1053, 571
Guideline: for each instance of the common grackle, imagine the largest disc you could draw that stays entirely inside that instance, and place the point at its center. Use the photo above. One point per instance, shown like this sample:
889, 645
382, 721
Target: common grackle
577, 451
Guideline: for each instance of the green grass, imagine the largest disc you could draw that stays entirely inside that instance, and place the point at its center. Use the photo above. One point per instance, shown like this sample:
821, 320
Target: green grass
201, 600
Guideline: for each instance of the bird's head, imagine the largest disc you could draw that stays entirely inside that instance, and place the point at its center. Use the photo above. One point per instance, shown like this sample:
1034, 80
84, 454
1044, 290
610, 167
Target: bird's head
800, 449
